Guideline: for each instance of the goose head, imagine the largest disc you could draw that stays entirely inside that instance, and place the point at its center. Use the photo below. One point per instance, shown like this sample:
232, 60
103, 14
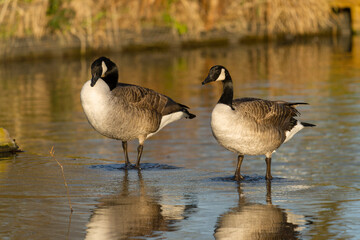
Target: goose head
105, 69
217, 73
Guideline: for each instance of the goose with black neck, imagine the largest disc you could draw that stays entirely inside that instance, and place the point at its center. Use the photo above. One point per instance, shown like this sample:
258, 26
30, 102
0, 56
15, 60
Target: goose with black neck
124, 111
251, 126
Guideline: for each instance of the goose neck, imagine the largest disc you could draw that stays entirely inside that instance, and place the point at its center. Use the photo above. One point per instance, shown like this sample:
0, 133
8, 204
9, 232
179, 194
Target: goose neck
228, 92
111, 79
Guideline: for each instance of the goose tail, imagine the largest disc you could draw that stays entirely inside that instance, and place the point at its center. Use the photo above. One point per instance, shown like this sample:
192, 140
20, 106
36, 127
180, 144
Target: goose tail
305, 124
189, 115
185, 110
297, 103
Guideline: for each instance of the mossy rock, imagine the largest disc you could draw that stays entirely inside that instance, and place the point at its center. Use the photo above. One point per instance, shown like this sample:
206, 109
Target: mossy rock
7, 144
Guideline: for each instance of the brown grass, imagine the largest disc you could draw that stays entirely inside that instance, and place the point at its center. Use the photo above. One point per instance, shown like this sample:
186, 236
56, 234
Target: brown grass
106, 22
274, 17
19, 18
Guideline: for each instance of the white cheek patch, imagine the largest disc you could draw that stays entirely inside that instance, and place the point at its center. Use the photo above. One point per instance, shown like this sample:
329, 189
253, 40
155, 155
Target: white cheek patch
221, 76
104, 68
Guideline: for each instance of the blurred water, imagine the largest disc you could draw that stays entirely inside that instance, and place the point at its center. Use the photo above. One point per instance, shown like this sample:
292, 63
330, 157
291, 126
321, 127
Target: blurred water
183, 190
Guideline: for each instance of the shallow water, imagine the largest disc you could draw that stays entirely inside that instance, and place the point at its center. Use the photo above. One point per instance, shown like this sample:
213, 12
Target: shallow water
184, 190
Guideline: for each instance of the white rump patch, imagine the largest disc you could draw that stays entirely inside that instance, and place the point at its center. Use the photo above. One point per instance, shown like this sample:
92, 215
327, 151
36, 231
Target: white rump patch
167, 119
221, 76
104, 69
293, 131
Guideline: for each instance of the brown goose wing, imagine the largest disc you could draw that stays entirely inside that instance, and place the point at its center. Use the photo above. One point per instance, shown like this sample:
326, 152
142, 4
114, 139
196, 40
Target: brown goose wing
141, 98
146, 98
276, 114
148, 104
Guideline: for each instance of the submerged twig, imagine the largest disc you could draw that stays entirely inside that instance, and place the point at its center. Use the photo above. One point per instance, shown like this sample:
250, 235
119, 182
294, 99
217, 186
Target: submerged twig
52, 153
69, 225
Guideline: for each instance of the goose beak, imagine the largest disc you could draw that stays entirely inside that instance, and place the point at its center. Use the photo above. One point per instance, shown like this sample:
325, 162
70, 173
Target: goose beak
94, 80
207, 80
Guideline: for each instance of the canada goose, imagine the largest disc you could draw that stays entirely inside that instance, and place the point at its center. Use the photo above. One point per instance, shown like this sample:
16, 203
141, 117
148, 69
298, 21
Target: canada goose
251, 126
124, 111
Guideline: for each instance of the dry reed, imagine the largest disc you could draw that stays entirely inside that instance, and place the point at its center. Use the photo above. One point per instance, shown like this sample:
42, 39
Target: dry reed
52, 154
106, 22
19, 18
277, 17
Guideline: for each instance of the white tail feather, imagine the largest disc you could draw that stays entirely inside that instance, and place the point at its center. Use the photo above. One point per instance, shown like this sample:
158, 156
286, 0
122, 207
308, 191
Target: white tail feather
293, 131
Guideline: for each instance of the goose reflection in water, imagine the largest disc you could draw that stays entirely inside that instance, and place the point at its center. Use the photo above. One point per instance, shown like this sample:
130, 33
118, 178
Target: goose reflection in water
134, 213
258, 221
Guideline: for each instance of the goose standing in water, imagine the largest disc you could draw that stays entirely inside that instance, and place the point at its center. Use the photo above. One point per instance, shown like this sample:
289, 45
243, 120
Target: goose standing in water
251, 126
124, 111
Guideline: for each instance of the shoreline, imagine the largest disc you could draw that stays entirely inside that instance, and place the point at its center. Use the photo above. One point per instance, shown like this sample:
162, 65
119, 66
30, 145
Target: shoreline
148, 40
70, 29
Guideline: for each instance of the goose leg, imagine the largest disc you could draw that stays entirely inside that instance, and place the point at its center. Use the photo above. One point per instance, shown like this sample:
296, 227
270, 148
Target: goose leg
238, 176
140, 150
268, 168
124, 145
268, 192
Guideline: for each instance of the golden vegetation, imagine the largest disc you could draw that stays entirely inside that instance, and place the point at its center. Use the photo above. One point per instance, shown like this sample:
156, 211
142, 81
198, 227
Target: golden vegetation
106, 22
271, 17
21, 18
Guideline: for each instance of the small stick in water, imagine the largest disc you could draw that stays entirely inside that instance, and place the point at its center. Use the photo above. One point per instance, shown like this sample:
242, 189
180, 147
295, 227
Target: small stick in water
52, 153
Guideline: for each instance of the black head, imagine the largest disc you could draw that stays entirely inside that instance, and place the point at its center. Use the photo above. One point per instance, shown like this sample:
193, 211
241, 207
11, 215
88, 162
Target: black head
105, 69
220, 73
217, 73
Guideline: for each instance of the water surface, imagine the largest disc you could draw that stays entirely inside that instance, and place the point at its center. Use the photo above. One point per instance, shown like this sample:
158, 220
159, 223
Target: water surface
184, 190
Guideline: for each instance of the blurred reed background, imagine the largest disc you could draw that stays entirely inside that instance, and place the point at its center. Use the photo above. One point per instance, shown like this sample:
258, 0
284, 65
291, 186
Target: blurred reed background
122, 24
